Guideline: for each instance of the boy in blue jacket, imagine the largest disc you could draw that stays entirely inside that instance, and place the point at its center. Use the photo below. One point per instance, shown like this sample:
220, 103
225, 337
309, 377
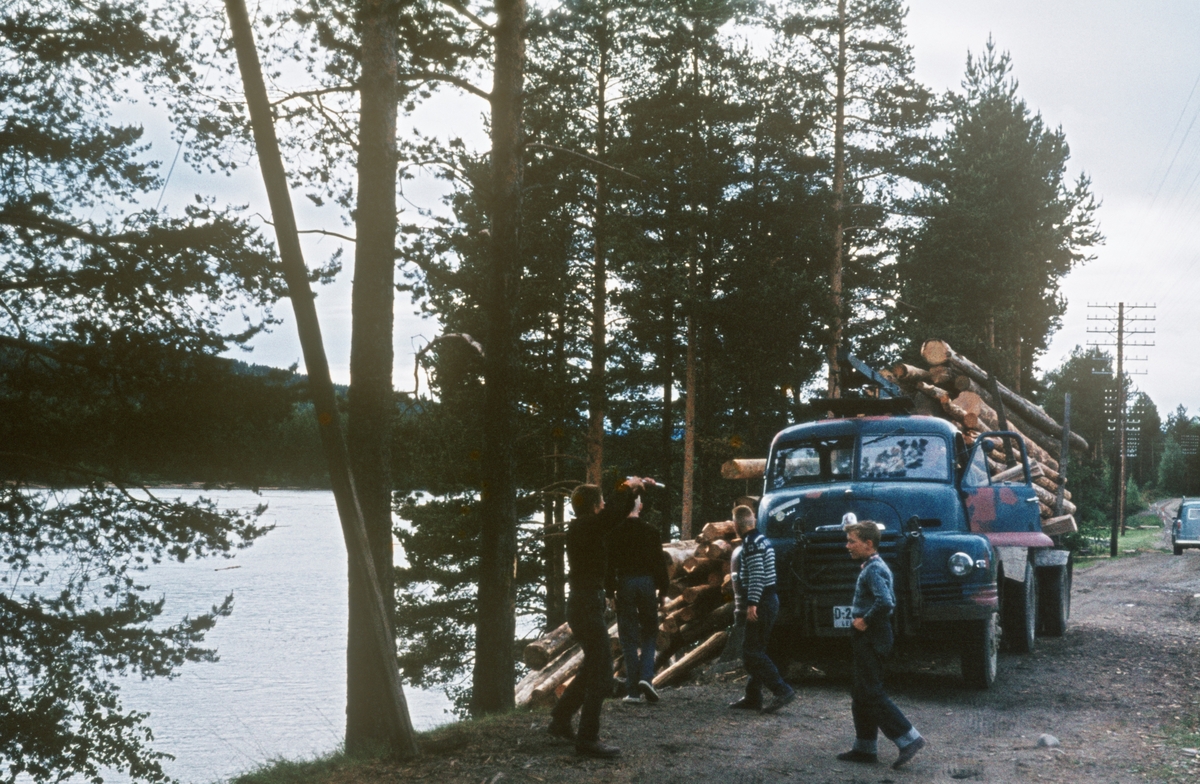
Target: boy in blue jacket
871, 641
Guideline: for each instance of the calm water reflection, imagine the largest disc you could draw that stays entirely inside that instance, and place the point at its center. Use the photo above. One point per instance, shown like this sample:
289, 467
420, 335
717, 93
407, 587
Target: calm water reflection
279, 690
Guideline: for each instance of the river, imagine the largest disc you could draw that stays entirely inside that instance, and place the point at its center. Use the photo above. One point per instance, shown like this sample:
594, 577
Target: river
279, 689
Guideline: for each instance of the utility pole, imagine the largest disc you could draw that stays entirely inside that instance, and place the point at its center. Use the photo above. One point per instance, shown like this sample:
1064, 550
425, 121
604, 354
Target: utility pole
1117, 328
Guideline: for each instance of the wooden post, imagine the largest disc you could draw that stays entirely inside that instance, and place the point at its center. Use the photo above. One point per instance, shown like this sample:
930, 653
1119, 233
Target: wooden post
1066, 454
1009, 457
402, 741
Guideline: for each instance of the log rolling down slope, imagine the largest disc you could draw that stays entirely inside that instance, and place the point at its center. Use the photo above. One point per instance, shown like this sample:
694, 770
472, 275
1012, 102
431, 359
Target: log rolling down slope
692, 623
956, 389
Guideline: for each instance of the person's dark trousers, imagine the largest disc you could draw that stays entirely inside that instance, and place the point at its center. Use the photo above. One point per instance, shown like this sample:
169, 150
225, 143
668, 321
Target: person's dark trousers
637, 626
593, 682
872, 710
763, 672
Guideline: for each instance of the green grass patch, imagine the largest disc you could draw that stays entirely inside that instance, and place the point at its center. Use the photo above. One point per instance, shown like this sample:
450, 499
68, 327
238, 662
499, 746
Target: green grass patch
1143, 533
302, 772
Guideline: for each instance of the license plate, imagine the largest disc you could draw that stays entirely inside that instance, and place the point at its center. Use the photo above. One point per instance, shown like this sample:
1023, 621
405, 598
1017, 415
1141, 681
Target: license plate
842, 618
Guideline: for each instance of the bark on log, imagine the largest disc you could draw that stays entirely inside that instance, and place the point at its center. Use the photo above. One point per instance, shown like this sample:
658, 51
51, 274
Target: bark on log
542, 651
942, 376
744, 468
714, 531
709, 649
982, 416
695, 592
1047, 442
1058, 526
938, 352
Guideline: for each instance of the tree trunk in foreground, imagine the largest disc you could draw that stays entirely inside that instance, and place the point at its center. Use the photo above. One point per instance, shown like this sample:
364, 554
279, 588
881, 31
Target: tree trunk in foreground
495, 625
371, 395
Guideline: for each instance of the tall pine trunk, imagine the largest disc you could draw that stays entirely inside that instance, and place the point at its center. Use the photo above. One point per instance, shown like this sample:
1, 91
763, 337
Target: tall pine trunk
371, 401
598, 392
839, 221
495, 624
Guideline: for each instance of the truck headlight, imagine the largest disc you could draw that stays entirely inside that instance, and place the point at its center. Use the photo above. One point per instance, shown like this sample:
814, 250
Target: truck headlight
961, 564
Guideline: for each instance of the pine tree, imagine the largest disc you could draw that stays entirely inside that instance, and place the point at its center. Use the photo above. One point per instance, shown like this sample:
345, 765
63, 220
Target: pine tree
1002, 227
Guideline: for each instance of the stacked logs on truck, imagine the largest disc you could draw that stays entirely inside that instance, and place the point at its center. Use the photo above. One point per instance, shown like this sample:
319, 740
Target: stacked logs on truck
955, 388
692, 622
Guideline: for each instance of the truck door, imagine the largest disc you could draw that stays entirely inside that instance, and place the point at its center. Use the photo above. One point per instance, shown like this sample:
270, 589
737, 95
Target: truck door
999, 498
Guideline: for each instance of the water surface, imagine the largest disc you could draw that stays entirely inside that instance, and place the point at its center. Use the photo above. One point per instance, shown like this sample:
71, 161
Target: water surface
279, 689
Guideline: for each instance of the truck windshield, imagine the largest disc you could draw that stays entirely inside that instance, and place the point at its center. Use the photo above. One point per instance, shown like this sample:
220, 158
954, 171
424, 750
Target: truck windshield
811, 462
904, 457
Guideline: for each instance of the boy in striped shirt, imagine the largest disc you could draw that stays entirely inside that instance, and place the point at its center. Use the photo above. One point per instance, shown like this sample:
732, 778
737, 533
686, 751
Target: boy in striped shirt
754, 594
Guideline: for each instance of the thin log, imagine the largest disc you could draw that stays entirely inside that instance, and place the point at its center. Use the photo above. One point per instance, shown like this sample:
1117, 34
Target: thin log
938, 352
744, 468
709, 649
542, 651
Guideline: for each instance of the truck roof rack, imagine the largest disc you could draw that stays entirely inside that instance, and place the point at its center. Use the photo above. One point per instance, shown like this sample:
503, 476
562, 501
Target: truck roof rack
861, 406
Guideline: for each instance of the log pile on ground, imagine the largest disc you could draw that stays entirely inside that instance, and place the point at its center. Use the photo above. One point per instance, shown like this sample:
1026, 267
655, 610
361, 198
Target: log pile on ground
956, 389
692, 622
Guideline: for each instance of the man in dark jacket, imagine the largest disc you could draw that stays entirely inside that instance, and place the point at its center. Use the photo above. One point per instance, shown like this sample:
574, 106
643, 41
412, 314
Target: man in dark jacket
587, 558
638, 576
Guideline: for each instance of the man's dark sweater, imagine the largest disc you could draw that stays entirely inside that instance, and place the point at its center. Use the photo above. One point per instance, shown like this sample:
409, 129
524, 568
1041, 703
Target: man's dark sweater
587, 544
635, 551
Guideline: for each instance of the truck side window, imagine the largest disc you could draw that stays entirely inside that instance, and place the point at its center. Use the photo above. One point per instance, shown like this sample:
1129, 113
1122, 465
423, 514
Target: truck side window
976, 474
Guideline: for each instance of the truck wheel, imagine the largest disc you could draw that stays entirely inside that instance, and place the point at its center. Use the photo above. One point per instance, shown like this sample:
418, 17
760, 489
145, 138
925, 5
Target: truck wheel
1020, 612
1178, 550
1054, 601
979, 650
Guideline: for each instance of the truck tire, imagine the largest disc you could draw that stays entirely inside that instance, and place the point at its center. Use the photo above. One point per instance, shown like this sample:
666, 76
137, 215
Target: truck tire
1178, 550
1054, 600
980, 648
1021, 612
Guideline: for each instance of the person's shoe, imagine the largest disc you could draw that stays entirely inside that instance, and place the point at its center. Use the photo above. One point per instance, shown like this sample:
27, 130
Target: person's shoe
648, 691
745, 703
908, 752
630, 698
854, 755
594, 748
779, 700
561, 730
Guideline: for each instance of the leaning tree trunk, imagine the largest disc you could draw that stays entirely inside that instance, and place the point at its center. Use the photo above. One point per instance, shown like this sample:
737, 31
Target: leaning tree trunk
371, 401
495, 624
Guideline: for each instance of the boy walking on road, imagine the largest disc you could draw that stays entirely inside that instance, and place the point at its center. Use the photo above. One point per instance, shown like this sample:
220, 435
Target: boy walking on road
871, 641
754, 594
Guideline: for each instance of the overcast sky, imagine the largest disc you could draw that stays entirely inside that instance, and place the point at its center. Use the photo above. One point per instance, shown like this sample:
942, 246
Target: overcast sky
1118, 76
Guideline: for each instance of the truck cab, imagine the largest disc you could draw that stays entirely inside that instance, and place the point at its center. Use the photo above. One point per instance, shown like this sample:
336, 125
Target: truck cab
956, 521
1185, 531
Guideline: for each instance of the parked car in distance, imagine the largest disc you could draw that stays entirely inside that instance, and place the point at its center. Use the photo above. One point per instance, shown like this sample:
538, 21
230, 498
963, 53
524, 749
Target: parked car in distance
1185, 532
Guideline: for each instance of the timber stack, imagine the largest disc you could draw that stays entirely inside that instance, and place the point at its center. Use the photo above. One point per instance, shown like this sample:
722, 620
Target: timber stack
955, 388
692, 626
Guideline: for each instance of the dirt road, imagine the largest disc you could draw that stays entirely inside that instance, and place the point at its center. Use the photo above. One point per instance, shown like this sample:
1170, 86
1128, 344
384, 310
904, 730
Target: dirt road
1121, 692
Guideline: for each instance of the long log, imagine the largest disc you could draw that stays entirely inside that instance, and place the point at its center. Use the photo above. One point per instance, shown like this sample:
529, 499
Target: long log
1040, 437
1049, 499
908, 374
541, 651
938, 352
558, 674
980, 414
744, 468
718, 550
709, 649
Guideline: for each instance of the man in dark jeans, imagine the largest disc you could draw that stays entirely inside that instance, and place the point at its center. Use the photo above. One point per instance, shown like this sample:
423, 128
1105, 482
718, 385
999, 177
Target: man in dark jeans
754, 594
638, 575
587, 559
